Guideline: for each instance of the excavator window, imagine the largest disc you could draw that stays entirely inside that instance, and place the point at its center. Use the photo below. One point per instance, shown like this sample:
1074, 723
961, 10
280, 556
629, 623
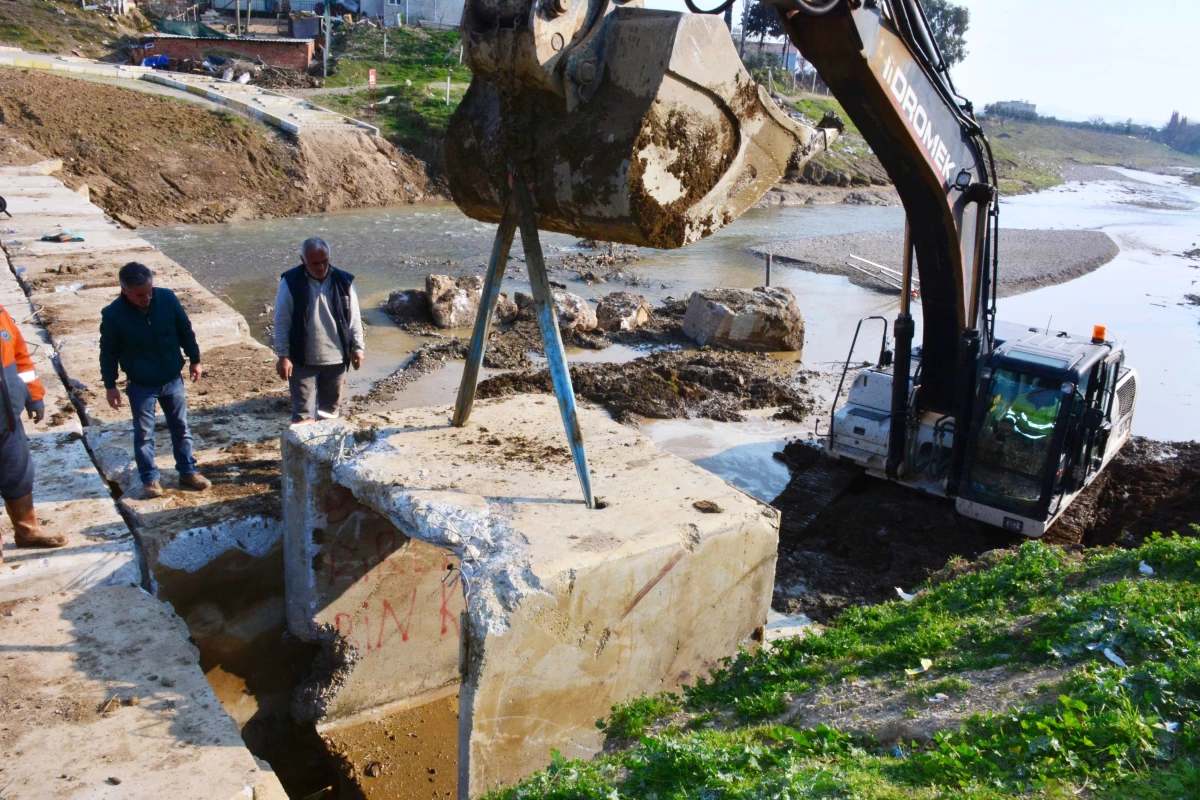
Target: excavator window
1012, 446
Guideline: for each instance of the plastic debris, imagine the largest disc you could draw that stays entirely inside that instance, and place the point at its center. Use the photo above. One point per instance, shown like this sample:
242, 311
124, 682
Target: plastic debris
925, 665
63, 236
1113, 657
906, 597
940, 697
1145, 568
1169, 727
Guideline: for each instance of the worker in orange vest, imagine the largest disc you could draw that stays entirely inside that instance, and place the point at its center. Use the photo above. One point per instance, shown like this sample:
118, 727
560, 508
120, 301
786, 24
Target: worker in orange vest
20, 390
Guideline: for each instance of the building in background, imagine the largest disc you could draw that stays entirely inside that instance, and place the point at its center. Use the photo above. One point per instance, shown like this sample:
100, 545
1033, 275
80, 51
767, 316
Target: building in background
1013, 108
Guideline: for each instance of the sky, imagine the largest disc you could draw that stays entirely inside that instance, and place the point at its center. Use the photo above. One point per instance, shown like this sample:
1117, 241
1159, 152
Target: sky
1077, 58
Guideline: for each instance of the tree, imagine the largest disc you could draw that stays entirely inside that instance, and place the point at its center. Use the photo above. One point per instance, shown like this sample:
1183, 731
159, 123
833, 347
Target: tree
763, 21
949, 24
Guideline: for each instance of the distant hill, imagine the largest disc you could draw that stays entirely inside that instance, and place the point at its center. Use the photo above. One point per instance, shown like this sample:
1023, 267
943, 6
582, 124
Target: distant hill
1030, 156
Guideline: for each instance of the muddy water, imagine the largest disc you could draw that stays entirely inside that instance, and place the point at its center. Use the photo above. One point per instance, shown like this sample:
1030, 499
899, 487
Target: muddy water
396, 248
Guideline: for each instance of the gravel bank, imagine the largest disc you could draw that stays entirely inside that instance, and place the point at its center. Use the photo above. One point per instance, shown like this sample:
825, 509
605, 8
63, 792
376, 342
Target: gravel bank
1029, 259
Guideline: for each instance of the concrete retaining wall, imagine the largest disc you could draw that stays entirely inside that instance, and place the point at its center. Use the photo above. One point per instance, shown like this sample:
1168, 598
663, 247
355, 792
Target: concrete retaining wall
111, 690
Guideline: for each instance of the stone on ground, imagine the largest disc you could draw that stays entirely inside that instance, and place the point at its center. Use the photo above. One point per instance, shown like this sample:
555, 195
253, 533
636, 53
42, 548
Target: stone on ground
622, 311
454, 302
761, 319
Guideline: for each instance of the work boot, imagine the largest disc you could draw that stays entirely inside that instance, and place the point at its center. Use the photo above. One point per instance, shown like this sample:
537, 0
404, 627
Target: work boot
194, 481
152, 489
28, 533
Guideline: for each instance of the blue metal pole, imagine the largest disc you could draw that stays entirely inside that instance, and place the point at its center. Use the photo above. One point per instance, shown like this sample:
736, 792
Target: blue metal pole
556, 358
487, 307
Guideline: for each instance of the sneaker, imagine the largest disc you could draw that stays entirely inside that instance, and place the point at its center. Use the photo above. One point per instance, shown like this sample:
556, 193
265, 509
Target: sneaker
194, 481
152, 489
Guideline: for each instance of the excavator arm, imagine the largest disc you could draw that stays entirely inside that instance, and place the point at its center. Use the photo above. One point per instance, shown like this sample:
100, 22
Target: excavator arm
881, 63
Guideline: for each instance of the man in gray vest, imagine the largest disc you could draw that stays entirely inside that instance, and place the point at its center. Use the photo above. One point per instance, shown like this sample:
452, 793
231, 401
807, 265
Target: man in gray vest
318, 332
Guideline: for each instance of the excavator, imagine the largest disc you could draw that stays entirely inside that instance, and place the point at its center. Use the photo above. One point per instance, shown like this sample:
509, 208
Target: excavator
642, 126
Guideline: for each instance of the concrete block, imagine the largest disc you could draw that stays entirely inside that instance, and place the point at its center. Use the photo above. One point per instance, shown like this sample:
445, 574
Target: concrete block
570, 610
103, 688
393, 600
70, 500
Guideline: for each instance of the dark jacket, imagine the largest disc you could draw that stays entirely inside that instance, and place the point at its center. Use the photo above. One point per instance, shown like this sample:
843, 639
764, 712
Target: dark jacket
296, 279
146, 344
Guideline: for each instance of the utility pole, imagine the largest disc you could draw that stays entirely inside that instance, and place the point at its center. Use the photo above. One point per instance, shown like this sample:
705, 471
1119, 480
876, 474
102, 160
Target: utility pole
325, 52
385, 38
237, 15
448, 87
406, 13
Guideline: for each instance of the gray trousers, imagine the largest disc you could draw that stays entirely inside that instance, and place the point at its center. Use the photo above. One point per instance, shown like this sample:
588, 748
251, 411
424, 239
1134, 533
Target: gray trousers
316, 391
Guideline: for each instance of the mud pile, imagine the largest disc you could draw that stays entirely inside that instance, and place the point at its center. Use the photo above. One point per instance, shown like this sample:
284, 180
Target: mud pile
878, 536
146, 160
668, 385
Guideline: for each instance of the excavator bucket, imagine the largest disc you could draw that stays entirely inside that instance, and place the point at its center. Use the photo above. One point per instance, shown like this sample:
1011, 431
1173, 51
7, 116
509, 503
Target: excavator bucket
629, 125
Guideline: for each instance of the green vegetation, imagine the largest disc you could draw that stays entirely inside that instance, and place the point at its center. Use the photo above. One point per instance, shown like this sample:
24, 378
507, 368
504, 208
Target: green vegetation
48, 26
414, 72
1121, 722
420, 55
815, 106
1031, 156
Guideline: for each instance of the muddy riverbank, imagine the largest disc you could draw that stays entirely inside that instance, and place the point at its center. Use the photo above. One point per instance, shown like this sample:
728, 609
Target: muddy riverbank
1031, 258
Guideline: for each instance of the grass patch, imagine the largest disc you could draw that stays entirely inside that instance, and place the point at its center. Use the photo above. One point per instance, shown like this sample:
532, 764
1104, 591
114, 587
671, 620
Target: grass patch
1030, 156
1118, 731
629, 720
414, 72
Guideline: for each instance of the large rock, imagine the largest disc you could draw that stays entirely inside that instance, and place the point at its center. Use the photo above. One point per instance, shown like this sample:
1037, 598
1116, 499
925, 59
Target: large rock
622, 311
506, 310
766, 318
574, 313
453, 302
406, 304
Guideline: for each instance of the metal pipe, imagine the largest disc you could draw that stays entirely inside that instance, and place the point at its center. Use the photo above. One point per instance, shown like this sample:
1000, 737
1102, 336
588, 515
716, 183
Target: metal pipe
902, 366
487, 307
769, 259
556, 358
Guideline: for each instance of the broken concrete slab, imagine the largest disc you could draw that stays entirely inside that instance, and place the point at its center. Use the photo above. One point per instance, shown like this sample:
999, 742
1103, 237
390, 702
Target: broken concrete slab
762, 319
103, 689
70, 500
393, 602
570, 610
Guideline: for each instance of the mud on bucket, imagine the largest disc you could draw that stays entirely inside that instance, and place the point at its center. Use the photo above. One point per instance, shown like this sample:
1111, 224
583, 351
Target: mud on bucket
646, 129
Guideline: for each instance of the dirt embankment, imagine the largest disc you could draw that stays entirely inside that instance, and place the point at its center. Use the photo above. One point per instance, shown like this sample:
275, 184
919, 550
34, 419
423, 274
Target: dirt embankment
147, 160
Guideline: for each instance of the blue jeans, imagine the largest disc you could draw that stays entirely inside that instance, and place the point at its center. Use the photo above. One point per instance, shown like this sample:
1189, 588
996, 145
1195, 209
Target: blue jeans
173, 400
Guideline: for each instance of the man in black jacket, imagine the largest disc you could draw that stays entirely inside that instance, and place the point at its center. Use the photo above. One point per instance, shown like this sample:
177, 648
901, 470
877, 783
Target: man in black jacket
142, 332
318, 332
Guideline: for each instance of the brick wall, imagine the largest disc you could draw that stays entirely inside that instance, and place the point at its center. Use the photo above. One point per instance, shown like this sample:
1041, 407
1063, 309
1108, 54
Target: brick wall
280, 53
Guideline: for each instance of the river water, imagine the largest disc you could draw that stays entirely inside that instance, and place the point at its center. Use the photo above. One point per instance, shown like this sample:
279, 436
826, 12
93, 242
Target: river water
1139, 295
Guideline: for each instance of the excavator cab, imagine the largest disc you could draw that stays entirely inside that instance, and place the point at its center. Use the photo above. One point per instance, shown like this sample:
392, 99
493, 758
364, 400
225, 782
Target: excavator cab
1051, 410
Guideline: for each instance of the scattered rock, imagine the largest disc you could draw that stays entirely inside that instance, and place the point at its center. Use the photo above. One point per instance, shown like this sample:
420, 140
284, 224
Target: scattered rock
374, 769
453, 302
168, 682
706, 507
574, 313
761, 319
506, 310
622, 311
114, 781
408, 304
